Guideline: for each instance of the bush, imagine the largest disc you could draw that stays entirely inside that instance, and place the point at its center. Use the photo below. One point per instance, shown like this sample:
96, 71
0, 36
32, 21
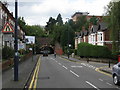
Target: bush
89, 50
75, 51
7, 52
21, 51
115, 55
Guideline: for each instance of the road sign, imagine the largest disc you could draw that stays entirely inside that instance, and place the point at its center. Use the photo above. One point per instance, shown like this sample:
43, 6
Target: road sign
7, 28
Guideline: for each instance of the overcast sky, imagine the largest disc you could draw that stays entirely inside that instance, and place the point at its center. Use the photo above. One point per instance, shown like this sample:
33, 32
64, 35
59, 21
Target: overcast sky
39, 11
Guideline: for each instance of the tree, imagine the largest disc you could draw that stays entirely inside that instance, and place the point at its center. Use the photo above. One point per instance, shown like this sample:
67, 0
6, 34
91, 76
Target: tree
72, 24
112, 10
67, 36
57, 33
34, 30
94, 20
59, 20
81, 22
50, 25
22, 23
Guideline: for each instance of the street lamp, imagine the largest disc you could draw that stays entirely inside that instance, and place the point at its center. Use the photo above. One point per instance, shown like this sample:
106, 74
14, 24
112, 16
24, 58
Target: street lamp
32, 49
16, 43
68, 37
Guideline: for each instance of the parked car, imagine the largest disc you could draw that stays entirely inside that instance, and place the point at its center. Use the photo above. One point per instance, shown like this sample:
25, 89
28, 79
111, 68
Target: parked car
116, 73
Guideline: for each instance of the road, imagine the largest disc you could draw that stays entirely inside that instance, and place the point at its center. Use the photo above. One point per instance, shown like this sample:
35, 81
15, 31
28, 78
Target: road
58, 72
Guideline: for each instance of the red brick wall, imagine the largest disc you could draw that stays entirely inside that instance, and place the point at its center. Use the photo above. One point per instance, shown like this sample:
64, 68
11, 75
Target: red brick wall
58, 49
107, 35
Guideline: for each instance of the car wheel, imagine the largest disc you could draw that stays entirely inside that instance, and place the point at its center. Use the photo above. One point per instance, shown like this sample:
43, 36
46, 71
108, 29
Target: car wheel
115, 80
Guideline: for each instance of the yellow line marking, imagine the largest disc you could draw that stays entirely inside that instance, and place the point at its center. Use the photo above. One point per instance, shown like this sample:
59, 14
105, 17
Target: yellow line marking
98, 70
35, 84
33, 78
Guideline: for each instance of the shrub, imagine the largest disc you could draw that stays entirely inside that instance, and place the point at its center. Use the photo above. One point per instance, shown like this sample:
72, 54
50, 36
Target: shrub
7, 52
75, 51
21, 51
89, 50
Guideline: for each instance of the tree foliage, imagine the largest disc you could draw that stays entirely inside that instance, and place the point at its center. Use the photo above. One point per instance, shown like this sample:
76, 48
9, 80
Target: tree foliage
81, 22
50, 25
59, 20
22, 23
67, 36
34, 30
112, 10
59, 31
93, 20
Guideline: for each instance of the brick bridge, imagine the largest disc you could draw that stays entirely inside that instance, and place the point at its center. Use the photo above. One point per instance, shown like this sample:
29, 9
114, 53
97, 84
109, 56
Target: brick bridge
45, 44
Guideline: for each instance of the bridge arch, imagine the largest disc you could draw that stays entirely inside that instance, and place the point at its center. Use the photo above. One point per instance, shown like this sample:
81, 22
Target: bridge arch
49, 48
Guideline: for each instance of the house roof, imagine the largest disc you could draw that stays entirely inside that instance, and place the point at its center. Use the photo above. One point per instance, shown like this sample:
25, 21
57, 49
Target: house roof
102, 26
80, 13
86, 32
94, 28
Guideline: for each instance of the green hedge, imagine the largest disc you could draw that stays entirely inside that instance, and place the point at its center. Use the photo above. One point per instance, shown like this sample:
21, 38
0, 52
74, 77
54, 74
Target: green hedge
7, 52
89, 50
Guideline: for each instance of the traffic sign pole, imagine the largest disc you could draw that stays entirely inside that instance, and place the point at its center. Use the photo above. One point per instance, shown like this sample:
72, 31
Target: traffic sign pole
16, 43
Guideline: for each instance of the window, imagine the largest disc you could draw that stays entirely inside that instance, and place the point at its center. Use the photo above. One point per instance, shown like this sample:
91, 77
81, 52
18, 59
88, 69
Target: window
101, 36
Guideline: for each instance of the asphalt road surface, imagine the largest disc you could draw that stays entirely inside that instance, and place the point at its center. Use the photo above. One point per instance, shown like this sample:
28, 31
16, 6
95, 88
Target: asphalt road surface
58, 72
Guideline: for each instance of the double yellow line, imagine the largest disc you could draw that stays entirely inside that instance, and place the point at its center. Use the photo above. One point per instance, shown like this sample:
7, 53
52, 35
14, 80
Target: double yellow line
33, 82
98, 70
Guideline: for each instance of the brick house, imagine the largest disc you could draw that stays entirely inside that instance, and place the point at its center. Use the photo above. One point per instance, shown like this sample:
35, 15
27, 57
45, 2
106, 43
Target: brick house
96, 34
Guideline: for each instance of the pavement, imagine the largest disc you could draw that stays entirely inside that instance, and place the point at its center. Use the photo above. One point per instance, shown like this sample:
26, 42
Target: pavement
25, 69
105, 69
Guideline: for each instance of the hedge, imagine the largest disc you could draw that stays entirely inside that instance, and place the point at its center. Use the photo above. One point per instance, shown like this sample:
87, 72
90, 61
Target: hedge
7, 52
89, 50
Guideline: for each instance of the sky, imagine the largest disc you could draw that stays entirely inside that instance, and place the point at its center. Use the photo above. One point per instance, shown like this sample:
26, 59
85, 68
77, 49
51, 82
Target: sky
38, 12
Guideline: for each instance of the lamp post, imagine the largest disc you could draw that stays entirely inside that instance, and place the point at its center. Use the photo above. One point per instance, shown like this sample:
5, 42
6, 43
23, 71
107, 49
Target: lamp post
32, 49
68, 37
16, 43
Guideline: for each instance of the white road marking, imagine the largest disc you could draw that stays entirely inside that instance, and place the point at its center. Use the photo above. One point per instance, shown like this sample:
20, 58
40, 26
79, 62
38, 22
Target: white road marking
100, 79
109, 84
88, 65
76, 66
92, 85
59, 63
52, 59
74, 73
64, 67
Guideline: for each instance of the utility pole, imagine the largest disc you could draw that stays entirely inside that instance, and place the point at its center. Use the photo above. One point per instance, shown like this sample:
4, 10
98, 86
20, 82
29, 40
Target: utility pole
68, 36
16, 43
